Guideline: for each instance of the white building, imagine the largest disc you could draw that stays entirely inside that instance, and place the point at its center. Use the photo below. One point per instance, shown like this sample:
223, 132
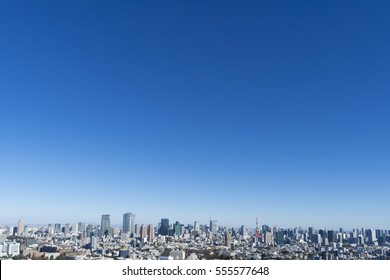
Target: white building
9, 249
177, 255
20, 227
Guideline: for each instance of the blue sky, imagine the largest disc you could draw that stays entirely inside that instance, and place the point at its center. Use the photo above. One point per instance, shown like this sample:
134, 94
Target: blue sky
196, 109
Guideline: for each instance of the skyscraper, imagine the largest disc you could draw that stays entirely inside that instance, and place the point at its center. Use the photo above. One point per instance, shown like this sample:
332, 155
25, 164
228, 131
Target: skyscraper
144, 231
129, 222
242, 230
137, 229
81, 227
164, 227
280, 237
371, 236
310, 231
267, 238
228, 239
177, 228
20, 227
151, 233
75, 228
213, 226
57, 227
197, 226
105, 225
66, 229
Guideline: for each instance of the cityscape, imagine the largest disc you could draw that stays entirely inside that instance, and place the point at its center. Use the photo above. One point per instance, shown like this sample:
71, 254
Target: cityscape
198, 241
194, 130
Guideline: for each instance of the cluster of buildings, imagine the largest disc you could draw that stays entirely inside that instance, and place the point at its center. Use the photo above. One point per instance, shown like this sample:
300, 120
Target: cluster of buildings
177, 241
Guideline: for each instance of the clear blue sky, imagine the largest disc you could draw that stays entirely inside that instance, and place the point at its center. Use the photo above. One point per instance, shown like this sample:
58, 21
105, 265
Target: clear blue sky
196, 109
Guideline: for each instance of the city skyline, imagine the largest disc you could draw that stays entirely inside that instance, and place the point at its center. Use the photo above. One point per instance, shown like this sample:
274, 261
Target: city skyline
164, 227
195, 110
105, 221
193, 242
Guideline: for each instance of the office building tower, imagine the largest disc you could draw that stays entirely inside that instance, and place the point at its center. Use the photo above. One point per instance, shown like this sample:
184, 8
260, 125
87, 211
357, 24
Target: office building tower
371, 236
164, 227
81, 227
137, 229
177, 229
280, 237
66, 229
213, 226
129, 223
316, 239
228, 239
89, 231
151, 233
361, 240
144, 232
340, 237
197, 226
242, 230
20, 227
310, 231
331, 236
50, 229
132, 224
57, 227
126, 223
94, 243
105, 225
75, 228
267, 238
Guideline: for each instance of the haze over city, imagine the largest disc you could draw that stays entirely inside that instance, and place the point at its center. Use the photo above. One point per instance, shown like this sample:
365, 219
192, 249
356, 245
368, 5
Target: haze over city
193, 110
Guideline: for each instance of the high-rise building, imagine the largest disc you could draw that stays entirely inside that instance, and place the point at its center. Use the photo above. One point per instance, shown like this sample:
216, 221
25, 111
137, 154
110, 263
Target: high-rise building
81, 227
213, 226
20, 227
57, 227
50, 229
132, 224
151, 233
144, 231
66, 229
316, 238
371, 236
137, 229
89, 231
94, 243
197, 226
164, 227
242, 230
331, 236
310, 231
129, 222
228, 239
75, 228
177, 228
105, 224
280, 237
267, 238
